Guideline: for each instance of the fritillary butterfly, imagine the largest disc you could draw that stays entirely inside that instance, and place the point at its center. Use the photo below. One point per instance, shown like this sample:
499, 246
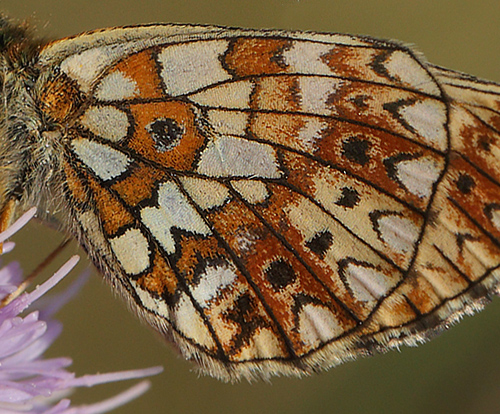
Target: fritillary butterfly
271, 202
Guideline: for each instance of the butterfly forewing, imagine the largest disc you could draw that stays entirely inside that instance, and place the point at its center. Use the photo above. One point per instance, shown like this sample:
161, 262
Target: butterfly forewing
276, 202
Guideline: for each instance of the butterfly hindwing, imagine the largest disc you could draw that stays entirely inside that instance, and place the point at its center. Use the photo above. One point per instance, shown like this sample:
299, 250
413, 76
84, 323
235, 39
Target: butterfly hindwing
276, 202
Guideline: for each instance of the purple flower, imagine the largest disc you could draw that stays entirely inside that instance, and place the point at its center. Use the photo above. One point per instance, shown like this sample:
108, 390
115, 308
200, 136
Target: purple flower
29, 383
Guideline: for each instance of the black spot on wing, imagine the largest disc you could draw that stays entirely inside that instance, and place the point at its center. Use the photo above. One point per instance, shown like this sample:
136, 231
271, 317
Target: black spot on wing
349, 198
465, 183
356, 150
280, 274
320, 243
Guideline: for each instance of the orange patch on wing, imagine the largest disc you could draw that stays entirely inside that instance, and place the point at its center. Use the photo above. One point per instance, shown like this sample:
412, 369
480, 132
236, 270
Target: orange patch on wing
161, 279
494, 120
112, 213
184, 145
256, 56
193, 250
281, 93
353, 62
139, 185
74, 183
141, 68
282, 129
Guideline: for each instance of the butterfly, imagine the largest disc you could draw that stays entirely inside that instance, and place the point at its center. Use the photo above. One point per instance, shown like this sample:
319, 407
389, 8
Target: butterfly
271, 202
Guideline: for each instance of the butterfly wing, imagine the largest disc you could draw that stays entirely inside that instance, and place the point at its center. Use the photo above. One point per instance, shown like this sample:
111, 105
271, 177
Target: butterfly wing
276, 203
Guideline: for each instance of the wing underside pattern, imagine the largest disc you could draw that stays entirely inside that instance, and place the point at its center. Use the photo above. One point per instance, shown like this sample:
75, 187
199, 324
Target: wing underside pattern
278, 205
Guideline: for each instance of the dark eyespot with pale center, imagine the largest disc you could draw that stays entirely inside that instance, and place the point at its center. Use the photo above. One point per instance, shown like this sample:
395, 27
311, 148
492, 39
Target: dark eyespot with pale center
166, 133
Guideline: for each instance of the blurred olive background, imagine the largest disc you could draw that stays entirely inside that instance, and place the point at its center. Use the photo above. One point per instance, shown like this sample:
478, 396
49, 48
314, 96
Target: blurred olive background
459, 372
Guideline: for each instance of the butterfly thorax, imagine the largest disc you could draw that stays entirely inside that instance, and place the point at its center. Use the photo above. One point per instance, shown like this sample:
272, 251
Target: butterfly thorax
26, 161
